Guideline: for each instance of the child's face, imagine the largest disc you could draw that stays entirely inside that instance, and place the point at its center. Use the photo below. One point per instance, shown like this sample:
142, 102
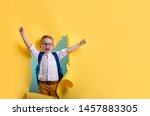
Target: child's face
47, 45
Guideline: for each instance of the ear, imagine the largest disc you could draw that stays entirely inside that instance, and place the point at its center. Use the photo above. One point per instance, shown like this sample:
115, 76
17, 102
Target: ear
52, 46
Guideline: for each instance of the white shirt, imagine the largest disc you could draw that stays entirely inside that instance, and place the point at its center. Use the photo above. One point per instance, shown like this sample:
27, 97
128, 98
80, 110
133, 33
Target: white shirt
48, 67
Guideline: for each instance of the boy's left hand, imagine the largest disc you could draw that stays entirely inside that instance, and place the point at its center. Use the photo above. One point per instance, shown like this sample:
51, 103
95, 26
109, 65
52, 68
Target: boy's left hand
82, 42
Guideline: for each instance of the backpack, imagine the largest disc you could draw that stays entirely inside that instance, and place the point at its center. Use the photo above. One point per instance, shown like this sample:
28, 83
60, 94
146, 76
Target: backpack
60, 71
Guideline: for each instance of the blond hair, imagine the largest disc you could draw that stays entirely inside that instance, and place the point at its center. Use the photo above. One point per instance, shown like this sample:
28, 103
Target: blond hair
46, 36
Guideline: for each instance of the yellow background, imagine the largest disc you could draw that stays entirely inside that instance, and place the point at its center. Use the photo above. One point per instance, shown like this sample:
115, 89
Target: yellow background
115, 62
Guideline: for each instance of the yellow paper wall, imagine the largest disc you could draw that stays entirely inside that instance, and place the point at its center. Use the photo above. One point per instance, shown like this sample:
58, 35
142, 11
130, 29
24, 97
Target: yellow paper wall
115, 62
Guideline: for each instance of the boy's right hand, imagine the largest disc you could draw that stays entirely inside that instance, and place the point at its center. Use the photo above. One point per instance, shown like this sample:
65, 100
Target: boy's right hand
82, 42
21, 29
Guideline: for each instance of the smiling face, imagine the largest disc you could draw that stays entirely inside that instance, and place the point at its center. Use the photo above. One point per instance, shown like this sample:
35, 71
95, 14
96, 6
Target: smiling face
47, 44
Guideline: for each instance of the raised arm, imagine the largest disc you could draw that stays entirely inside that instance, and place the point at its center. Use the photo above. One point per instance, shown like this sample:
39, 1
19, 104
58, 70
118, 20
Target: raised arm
27, 43
82, 42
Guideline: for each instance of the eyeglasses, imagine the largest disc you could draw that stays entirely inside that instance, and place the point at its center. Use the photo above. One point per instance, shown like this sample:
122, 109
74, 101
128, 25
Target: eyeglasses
47, 44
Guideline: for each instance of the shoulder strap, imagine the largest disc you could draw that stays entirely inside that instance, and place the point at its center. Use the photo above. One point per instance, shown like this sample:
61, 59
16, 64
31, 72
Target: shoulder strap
60, 71
38, 66
40, 57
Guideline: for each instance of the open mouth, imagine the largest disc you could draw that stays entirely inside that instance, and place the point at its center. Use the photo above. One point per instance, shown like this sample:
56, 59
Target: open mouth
47, 49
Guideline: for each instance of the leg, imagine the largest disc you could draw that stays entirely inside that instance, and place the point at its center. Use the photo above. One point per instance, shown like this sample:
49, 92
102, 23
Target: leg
52, 90
44, 89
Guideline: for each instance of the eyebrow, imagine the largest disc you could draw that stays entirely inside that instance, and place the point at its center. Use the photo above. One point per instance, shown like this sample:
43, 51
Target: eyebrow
46, 43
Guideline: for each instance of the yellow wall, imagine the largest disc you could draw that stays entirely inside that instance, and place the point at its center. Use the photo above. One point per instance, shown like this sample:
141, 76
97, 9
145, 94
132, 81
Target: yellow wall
115, 62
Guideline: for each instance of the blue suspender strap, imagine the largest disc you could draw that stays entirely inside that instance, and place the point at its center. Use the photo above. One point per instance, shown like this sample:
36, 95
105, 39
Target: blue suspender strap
60, 71
38, 66
40, 57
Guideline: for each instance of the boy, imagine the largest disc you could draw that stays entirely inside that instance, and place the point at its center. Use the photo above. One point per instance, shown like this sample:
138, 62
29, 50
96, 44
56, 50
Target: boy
48, 69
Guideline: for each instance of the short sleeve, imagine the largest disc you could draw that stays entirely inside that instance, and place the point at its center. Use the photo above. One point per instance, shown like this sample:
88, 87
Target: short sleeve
34, 51
62, 53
